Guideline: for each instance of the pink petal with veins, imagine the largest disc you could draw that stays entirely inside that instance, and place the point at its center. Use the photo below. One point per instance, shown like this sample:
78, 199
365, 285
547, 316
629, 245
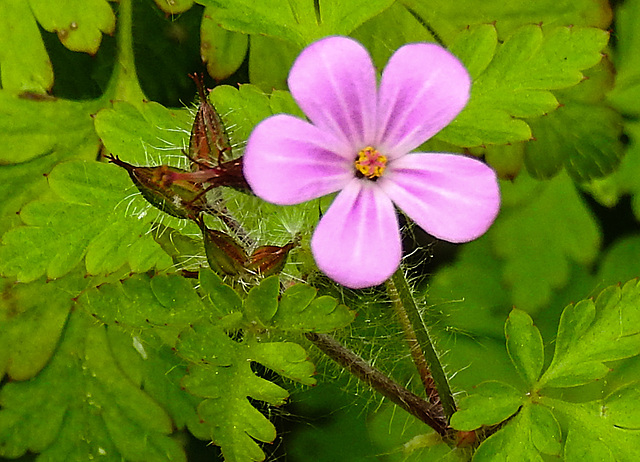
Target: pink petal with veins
288, 161
334, 83
357, 242
452, 197
423, 88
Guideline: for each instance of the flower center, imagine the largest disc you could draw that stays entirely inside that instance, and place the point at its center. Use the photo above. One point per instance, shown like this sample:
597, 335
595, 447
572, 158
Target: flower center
370, 163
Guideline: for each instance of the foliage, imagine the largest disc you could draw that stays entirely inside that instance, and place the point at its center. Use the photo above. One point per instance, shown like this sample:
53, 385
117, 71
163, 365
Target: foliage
117, 340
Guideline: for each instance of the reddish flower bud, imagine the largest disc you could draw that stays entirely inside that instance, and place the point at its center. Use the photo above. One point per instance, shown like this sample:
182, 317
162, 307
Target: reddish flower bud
224, 254
209, 140
163, 188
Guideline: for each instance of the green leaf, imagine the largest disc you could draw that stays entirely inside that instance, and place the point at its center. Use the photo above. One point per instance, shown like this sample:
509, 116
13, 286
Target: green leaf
82, 406
468, 296
54, 127
595, 432
491, 403
625, 180
270, 60
626, 93
516, 83
222, 50
148, 134
24, 64
32, 318
620, 264
240, 109
301, 310
174, 6
79, 24
546, 228
447, 18
591, 333
532, 432
168, 304
89, 219
524, 345
583, 135
262, 300
222, 296
584, 138
297, 21
221, 372
400, 27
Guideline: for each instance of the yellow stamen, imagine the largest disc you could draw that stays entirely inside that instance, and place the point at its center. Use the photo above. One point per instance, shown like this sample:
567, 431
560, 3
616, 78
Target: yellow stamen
370, 163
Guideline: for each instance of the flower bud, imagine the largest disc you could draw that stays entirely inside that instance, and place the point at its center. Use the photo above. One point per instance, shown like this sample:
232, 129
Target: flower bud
224, 254
163, 188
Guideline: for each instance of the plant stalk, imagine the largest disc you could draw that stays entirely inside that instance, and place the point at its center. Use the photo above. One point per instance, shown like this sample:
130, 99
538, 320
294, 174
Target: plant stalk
422, 351
410, 402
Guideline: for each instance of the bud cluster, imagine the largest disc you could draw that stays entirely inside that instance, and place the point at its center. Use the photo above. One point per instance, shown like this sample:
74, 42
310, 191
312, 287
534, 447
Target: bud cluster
183, 193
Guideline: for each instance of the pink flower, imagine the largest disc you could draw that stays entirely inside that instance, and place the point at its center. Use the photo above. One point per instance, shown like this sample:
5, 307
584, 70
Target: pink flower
358, 143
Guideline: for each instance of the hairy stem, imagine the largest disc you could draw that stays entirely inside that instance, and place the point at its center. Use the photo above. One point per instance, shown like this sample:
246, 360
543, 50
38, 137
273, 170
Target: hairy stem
410, 402
422, 351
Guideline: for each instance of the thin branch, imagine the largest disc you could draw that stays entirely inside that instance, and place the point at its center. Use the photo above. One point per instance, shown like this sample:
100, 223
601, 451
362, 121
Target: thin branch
406, 306
410, 402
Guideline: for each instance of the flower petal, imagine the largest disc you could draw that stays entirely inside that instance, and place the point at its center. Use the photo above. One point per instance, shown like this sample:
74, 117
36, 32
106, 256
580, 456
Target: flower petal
334, 82
288, 161
357, 242
452, 197
423, 88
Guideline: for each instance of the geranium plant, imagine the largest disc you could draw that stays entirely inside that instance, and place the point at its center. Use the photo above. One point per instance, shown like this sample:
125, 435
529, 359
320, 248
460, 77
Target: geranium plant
382, 230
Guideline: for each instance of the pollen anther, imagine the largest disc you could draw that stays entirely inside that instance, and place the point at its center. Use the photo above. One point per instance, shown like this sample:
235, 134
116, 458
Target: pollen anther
370, 163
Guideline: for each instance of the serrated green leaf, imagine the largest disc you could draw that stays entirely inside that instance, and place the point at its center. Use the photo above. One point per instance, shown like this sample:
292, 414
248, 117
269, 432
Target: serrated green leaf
57, 235
24, 64
591, 333
79, 24
300, 310
297, 21
524, 345
516, 83
222, 50
583, 135
540, 236
584, 138
262, 300
447, 18
221, 373
491, 403
82, 406
282, 101
287, 359
165, 303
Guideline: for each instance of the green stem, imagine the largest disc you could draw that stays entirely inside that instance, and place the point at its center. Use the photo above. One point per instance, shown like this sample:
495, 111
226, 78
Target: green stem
124, 84
420, 344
